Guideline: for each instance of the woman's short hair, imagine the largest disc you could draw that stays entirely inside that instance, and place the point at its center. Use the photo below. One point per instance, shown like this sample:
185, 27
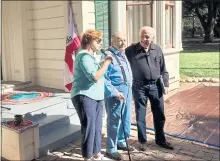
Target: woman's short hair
89, 36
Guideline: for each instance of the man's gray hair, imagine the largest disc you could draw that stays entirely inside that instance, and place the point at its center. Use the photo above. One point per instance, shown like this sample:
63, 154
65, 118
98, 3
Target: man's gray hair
148, 29
115, 35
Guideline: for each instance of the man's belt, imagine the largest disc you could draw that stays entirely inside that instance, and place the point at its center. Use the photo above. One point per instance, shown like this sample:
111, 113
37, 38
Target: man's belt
144, 82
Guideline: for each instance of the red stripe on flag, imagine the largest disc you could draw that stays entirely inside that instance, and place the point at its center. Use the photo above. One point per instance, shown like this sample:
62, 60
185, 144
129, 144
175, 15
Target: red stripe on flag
69, 86
69, 50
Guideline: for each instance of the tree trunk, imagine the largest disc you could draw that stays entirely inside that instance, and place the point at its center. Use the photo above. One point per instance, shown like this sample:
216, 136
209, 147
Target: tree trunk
217, 31
208, 37
209, 22
217, 25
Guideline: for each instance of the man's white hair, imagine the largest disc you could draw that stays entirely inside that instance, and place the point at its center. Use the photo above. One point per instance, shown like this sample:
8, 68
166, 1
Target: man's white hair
148, 29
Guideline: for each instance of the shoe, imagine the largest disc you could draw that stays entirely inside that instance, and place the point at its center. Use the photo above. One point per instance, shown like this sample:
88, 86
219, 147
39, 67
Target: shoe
165, 145
143, 147
100, 158
115, 156
130, 148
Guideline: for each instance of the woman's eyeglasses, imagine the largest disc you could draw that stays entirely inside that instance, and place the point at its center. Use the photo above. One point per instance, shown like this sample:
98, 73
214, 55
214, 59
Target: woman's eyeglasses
98, 41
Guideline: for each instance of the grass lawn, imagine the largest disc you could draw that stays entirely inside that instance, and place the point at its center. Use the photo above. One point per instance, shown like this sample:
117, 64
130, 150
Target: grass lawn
199, 64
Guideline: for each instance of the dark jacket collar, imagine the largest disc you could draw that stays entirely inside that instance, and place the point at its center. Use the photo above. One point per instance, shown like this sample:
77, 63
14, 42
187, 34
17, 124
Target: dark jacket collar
139, 47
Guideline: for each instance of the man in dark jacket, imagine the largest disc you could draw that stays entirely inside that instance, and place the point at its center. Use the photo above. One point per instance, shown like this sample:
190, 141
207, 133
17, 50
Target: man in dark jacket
148, 64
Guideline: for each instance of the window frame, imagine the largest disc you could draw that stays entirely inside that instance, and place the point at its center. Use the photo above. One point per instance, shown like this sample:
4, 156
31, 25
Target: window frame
136, 3
172, 5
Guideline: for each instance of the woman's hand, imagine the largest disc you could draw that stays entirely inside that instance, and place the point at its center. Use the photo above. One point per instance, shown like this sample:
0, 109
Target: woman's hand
108, 59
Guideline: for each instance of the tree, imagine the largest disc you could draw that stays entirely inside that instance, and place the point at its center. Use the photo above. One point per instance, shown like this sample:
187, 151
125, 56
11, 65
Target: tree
206, 11
217, 25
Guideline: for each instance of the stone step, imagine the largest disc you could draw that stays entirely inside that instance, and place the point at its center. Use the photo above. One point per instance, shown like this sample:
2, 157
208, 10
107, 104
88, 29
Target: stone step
58, 137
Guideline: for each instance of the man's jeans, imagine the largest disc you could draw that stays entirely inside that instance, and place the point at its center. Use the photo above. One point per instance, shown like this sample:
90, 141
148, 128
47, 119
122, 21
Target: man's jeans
90, 115
141, 94
115, 134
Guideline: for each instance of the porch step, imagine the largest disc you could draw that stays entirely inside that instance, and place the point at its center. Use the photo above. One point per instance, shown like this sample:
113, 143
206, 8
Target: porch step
57, 118
9, 86
57, 135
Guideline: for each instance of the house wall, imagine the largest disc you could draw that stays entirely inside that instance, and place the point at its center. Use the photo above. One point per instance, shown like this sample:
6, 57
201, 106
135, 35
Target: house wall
47, 29
37, 49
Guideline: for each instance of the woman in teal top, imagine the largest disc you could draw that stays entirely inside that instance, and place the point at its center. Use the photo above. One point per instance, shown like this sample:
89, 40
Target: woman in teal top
88, 93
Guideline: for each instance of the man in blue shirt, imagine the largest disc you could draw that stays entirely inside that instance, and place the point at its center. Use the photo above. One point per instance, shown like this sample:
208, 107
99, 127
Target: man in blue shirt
117, 90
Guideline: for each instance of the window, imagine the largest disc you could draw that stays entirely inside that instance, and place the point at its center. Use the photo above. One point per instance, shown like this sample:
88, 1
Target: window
102, 20
139, 14
169, 7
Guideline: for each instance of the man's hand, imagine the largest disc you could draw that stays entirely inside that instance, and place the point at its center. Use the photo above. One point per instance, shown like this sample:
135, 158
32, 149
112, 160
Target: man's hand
120, 96
166, 90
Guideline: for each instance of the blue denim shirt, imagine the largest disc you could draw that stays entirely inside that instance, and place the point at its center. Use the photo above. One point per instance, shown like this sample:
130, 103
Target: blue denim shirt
113, 76
85, 68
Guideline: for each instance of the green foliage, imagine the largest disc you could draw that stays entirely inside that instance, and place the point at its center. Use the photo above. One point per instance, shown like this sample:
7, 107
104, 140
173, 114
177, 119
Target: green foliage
207, 11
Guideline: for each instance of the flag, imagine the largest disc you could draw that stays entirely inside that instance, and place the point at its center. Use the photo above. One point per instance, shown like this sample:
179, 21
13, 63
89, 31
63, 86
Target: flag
72, 44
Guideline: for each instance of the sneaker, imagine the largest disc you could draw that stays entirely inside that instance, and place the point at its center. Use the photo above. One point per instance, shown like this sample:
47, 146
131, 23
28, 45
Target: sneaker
115, 156
143, 147
100, 158
130, 148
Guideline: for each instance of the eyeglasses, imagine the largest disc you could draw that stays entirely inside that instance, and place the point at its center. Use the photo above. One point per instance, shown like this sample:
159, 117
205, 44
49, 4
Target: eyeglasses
98, 41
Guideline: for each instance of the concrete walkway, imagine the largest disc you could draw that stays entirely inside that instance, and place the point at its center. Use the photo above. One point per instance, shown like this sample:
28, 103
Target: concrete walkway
184, 149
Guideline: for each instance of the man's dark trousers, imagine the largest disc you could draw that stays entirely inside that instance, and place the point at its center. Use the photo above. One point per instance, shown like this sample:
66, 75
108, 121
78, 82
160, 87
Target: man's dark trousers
141, 93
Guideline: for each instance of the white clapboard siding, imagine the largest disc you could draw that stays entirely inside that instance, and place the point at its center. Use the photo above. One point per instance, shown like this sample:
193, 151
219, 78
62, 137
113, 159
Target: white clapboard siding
36, 5
57, 74
42, 54
57, 33
31, 54
47, 25
49, 44
49, 64
47, 36
51, 83
32, 63
52, 23
46, 13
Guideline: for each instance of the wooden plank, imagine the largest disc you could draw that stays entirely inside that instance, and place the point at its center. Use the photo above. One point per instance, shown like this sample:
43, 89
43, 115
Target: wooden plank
56, 11
46, 23
45, 4
32, 63
57, 33
49, 64
49, 44
50, 73
51, 83
49, 54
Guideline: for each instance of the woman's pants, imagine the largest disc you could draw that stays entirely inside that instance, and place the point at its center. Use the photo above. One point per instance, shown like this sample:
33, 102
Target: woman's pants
90, 115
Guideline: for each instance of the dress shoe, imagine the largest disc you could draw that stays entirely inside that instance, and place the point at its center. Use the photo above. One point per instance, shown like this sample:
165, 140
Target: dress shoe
143, 147
115, 156
165, 145
130, 148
